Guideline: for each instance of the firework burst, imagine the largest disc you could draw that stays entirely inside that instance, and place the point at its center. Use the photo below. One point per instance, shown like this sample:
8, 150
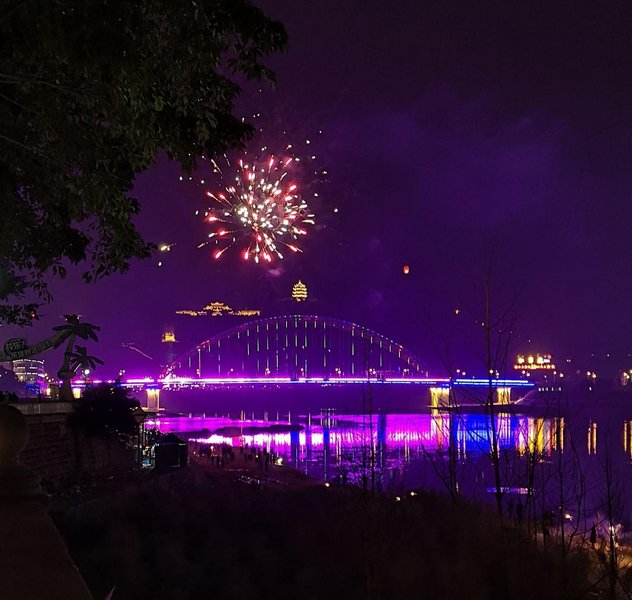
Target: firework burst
260, 208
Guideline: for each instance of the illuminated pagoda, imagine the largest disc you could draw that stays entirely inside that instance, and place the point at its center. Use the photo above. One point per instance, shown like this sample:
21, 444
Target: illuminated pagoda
217, 309
299, 291
169, 338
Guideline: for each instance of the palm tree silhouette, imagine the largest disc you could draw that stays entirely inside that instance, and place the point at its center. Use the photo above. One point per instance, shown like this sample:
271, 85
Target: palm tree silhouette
74, 329
80, 359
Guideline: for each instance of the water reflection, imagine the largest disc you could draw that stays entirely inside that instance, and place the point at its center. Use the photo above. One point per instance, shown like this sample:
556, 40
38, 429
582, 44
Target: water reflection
330, 445
627, 438
591, 442
541, 458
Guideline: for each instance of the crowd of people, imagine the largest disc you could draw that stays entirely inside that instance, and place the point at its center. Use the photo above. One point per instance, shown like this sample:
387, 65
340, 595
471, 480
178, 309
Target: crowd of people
224, 455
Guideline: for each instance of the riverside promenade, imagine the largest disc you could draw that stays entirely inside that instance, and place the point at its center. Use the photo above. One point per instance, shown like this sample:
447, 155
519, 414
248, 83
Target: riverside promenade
228, 465
247, 467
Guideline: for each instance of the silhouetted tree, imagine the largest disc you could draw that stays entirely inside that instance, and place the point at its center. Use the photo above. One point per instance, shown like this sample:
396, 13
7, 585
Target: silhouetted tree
90, 94
8, 397
72, 330
105, 409
81, 360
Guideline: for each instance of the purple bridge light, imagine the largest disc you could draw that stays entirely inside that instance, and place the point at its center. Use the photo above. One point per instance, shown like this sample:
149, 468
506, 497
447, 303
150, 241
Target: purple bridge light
297, 347
176, 382
303, 350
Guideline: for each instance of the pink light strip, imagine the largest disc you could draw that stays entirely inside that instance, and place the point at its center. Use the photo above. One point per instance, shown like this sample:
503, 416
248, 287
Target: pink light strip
286, 380
193, 381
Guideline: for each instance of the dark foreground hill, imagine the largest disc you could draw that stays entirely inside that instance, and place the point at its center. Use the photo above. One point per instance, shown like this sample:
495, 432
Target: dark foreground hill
206, 537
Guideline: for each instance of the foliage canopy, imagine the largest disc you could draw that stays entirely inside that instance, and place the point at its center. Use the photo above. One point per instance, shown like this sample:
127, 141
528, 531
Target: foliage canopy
105, 409
90, 93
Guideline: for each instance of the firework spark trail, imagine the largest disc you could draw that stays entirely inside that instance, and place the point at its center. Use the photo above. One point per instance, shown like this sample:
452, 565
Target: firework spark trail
261, 208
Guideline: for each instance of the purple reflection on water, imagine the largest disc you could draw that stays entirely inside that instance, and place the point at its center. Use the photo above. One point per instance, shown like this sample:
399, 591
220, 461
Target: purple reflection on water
430, 431
394, 446
402, 452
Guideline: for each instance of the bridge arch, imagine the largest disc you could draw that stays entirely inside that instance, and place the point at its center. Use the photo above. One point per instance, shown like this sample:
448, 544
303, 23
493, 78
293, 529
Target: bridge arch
297, 346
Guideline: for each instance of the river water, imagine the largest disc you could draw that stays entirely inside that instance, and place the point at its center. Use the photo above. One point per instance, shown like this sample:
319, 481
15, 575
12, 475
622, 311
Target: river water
570, 457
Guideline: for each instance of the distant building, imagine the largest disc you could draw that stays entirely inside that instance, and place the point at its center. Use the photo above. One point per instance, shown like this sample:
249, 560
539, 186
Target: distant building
219, 309
31, 372
537, 362
299, 291
169, 338
539, 367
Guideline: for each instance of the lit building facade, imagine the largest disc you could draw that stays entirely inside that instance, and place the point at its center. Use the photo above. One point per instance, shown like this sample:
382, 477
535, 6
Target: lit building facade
219, 309
299, 292
169, 340
168, 336
534, 362
31, 372
539, 367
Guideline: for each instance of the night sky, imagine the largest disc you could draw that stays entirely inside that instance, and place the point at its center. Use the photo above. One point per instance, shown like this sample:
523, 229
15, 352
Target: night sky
458, 137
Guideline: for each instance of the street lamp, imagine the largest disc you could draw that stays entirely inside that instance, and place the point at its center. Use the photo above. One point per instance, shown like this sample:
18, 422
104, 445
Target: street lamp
139, 416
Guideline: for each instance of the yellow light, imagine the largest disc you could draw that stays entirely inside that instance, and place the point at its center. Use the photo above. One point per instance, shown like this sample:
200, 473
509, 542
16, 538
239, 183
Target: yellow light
299, 291
168, 336
217, 308
439, 397
534, 362
503, 395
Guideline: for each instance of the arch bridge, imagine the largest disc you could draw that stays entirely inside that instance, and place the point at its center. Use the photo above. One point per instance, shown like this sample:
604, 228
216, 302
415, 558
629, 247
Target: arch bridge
297, 347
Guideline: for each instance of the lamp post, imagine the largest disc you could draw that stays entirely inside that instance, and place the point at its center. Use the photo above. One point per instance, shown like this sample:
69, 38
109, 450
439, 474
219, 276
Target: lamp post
139, 416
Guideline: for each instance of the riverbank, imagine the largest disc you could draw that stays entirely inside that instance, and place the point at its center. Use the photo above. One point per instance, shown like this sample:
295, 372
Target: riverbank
206, 531
226, 465
245, 469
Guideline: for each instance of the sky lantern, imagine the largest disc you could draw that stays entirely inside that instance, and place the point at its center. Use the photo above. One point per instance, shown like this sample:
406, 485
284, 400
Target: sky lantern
406, 269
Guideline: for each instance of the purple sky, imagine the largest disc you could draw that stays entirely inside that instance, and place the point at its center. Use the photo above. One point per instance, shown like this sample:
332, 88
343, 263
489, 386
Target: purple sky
454, 138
